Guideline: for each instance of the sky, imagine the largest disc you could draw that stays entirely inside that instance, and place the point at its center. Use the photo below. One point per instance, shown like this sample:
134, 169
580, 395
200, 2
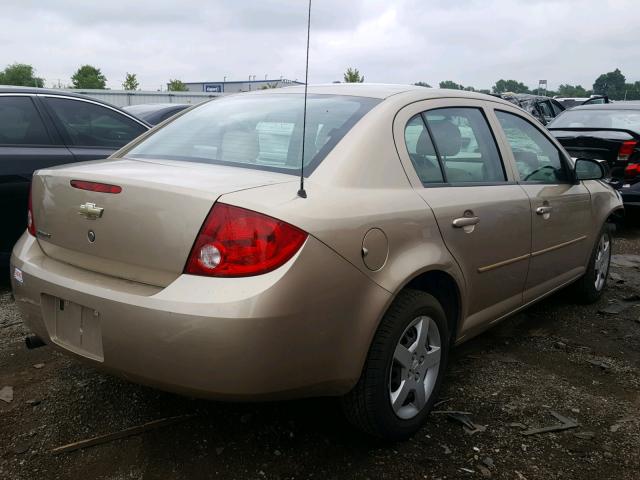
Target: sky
472, 42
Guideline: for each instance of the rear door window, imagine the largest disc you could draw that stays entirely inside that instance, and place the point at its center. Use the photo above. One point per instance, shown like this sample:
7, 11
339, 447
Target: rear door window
88, 124
421, 151
20, 122
465, 145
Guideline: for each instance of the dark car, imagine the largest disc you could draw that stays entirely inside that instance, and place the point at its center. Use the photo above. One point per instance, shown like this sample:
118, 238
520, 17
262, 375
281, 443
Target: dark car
154, 113
543, 108
41, 128
609, 132
570, 102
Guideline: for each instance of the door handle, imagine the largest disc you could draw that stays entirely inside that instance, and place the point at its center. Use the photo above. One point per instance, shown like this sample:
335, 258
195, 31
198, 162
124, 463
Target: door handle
544, 210
465, 222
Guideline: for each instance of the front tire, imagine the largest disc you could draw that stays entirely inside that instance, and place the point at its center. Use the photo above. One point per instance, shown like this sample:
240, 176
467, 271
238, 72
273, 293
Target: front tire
589, 288
403, 371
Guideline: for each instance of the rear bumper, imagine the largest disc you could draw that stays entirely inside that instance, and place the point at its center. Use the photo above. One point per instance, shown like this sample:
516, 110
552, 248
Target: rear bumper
302, 330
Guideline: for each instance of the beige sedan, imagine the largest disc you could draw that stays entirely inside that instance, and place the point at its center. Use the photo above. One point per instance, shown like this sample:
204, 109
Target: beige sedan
190, 261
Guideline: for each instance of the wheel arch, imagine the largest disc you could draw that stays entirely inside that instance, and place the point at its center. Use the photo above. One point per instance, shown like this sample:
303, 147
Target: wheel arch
444, 287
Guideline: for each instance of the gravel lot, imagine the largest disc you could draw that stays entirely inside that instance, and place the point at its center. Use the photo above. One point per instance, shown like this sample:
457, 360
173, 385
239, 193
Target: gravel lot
554, 357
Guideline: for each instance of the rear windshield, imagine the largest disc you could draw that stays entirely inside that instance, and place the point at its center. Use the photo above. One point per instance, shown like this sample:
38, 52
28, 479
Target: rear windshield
257, 131
626, 119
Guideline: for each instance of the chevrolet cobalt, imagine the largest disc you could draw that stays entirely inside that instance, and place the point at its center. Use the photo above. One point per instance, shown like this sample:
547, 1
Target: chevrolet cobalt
190, 261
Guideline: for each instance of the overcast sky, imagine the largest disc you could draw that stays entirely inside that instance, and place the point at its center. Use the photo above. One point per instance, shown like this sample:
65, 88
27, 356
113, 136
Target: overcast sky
473, 42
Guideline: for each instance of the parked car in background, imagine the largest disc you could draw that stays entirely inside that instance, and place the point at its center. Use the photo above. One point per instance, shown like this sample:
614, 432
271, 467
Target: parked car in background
42, 128
154, 113
609, 132
570, 102
189, 262
543, 108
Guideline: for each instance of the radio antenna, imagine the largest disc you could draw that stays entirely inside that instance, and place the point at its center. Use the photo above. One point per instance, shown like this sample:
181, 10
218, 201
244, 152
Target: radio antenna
302, 193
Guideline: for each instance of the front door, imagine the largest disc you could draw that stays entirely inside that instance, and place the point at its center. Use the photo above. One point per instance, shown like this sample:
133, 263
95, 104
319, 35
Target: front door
483, 215
560, 207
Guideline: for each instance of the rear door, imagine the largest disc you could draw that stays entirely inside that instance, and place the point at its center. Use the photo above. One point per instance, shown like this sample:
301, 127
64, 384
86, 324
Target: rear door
560, 207
91, 130
26, 144
452, 158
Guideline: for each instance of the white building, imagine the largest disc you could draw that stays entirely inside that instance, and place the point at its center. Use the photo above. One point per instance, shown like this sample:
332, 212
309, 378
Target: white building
239, 86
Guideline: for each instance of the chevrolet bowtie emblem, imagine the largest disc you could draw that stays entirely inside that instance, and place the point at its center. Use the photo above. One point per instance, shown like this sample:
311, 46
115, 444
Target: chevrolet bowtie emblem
90, 211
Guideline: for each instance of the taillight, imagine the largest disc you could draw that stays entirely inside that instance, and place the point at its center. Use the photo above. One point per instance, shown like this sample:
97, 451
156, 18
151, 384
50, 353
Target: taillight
235, 242
31, 224
626, 150
632, 170
95, 186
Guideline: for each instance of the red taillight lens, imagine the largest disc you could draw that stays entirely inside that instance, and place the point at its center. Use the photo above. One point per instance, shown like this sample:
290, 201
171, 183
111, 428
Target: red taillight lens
95, 187
626, 149
31, 224
632, 170
234, 242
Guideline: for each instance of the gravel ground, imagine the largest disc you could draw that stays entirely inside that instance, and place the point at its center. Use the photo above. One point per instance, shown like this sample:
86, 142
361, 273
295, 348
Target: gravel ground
554, 357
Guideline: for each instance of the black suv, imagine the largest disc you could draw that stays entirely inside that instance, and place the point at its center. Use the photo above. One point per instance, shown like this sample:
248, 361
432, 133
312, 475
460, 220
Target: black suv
41, 128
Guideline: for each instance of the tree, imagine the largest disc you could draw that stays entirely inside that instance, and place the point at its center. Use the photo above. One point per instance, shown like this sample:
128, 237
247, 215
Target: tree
130, 82
422, 84
175, 85
352, 75
611, 84
631, 91
20, 74
512, 86
88, 76
566, 90
451, 84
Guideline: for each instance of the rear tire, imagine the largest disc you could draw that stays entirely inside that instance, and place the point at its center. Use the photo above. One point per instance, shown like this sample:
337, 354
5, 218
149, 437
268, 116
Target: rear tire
589, 288
403, 371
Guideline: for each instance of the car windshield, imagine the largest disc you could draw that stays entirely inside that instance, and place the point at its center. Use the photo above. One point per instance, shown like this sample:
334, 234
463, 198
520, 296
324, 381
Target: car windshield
587, 118
262, 131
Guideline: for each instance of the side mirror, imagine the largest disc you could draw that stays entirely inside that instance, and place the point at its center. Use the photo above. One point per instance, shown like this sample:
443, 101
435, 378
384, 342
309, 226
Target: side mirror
588, 169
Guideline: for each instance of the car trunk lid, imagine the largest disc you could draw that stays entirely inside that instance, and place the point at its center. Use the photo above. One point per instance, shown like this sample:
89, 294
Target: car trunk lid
143, 233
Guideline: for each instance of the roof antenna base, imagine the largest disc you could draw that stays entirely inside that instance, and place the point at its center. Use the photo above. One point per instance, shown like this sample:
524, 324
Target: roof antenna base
302, 193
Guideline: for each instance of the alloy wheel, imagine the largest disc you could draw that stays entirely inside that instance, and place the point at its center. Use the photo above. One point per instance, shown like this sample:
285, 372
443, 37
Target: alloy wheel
601, 265
415, 366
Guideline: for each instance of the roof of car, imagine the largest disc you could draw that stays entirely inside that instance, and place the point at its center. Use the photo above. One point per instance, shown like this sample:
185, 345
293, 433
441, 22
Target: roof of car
154, 107
34, 91
378, 90
610, 106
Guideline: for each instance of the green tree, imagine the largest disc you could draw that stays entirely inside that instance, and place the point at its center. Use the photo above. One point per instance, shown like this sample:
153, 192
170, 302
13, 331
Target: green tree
20, 74
130, 82
611, 84
88, 76
631, 91
451, 84
422, 84
566, 90
512, 86
175, 85
352, 75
